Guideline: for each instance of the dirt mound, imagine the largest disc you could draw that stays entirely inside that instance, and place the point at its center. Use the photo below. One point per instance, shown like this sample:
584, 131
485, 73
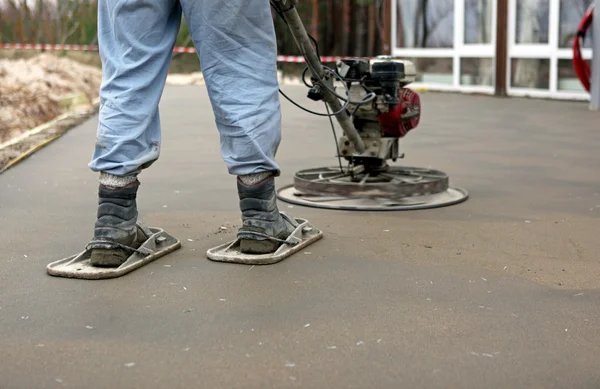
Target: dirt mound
33, 91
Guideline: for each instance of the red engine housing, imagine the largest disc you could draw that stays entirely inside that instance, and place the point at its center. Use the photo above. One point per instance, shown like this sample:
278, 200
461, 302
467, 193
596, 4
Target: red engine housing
404, 117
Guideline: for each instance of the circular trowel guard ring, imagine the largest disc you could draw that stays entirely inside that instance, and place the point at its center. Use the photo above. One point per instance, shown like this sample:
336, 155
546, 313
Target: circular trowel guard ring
393, 182
392, 189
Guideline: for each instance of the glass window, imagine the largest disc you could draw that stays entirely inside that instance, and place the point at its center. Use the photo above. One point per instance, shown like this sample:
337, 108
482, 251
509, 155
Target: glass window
425, 23
434, 70
571, 12
532, 21
530, 73
477, 71
567, 78
478, 21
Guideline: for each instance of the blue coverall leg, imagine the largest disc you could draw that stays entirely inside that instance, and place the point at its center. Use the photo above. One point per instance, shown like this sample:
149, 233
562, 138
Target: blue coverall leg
236, 46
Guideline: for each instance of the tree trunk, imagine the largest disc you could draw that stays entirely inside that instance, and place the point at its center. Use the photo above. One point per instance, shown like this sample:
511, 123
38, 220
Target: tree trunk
20, 29
315, 20
359, 47
425, 26
346, 26
330, 31
372, 26
401, 31
417, 29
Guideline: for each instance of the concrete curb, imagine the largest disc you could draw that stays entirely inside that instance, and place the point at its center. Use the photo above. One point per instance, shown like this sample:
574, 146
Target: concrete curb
61, 124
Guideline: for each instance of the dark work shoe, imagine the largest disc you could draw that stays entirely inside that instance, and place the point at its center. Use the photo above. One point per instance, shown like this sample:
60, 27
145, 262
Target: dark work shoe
263, 228
116, 234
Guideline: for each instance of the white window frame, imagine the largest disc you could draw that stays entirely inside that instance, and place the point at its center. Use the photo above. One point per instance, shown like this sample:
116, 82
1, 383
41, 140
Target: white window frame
549, 51
459, 51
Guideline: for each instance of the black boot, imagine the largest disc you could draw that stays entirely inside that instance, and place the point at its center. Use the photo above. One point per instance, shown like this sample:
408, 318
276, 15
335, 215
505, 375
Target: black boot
261, 219
116, 232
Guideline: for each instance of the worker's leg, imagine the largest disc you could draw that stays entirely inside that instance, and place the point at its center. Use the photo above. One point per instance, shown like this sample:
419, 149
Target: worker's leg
136, 39
238, 53
237, 49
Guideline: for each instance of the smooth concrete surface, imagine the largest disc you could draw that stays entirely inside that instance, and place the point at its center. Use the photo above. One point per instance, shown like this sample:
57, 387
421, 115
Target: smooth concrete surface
501, 291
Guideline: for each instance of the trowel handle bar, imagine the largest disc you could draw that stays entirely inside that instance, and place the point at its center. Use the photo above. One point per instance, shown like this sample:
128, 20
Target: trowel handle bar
298, 31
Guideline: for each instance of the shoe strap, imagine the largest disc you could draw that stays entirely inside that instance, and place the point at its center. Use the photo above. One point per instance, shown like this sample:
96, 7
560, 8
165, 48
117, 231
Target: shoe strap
110, 245
291, 240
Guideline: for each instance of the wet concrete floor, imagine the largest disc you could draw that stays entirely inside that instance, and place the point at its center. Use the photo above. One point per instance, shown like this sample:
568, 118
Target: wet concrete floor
502, 291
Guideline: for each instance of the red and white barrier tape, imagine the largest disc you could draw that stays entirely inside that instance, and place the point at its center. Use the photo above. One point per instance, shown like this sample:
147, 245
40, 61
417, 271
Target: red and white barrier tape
29, 46
38, 46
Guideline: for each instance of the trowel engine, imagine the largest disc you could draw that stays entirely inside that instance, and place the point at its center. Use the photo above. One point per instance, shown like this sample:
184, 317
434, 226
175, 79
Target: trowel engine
391, 110
378, 107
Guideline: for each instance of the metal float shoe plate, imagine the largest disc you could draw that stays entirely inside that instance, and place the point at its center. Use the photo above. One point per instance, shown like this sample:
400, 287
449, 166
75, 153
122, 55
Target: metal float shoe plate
157, 245
303, 236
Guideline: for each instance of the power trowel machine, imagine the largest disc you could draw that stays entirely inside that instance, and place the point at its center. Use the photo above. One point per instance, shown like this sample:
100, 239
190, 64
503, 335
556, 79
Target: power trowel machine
375, 110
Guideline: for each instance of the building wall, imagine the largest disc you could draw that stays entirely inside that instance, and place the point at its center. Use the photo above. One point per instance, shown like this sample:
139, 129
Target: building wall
453, 43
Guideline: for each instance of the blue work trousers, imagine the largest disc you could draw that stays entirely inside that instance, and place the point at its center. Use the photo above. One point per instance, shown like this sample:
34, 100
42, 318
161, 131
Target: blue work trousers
236, 45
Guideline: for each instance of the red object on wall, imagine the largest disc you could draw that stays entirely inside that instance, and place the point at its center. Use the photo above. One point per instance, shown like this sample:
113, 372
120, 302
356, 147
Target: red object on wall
582, 69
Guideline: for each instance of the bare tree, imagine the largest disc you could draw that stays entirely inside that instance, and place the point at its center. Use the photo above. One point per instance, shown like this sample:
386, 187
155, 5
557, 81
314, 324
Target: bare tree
346, 25
315, 19
371, 28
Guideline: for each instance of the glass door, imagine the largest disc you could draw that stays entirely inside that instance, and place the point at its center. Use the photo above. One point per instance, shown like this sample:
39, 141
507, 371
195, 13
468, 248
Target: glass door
452, 42
541, 33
